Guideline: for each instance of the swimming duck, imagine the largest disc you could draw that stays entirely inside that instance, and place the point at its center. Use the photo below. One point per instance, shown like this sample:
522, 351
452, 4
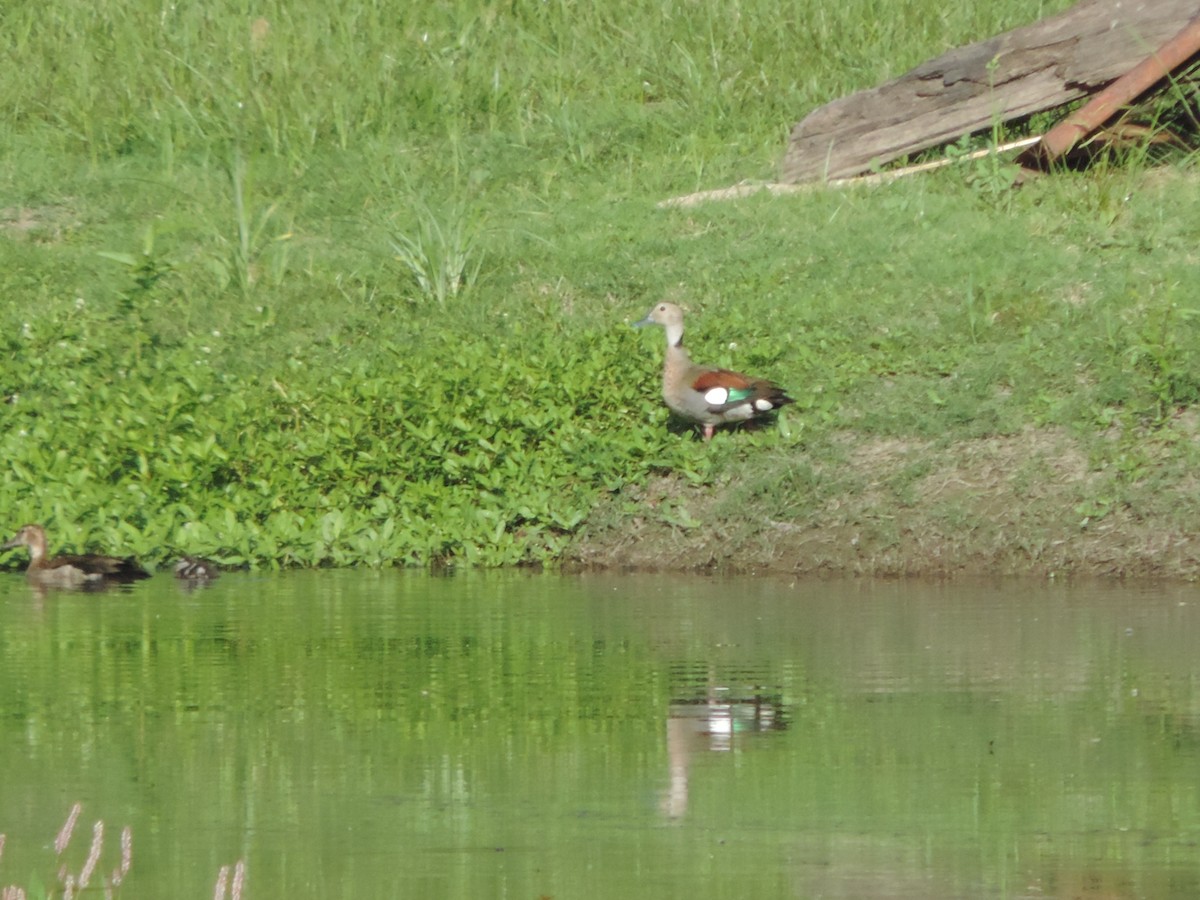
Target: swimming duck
707, 395
193, 568
72, 571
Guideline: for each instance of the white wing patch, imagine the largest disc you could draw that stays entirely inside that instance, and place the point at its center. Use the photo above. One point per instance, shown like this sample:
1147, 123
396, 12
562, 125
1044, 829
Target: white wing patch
762, 404
716, 396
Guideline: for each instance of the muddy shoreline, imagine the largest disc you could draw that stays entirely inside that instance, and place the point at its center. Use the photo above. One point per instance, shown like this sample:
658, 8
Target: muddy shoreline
1028, 504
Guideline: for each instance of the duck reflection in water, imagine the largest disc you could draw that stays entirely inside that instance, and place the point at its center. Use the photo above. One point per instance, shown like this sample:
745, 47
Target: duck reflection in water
714, 724
87, 571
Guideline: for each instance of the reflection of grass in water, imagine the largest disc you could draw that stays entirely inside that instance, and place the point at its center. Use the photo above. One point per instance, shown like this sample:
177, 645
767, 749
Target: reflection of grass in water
234, 885
71, 882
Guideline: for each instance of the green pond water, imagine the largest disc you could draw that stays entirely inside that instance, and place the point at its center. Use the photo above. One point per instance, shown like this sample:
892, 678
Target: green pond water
383, 734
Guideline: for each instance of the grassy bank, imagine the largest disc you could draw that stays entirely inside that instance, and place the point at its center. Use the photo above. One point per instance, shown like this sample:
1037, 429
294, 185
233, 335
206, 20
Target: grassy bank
297, 287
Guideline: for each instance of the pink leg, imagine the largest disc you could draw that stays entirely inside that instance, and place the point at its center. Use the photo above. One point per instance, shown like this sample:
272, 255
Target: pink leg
708, 432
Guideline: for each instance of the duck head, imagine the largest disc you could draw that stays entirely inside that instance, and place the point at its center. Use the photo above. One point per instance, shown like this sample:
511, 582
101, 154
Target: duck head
670, 317
31, 536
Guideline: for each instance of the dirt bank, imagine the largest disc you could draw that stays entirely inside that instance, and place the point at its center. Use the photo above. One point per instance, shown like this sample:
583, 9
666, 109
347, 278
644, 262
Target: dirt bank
1028, 504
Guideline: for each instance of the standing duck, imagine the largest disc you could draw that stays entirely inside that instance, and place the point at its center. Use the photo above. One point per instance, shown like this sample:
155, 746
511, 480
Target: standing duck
69, 571
707, 395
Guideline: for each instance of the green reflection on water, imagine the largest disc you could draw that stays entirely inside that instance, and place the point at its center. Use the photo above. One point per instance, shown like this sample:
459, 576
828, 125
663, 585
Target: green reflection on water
389, 735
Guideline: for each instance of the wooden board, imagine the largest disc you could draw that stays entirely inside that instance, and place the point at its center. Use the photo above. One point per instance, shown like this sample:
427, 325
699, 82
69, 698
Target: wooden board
1033, 68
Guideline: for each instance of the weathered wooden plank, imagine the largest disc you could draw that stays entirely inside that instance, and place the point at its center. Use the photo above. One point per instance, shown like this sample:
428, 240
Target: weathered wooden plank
1023, 71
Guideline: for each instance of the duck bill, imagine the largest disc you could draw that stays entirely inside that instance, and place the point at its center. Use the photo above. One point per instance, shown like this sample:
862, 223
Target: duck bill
644, 322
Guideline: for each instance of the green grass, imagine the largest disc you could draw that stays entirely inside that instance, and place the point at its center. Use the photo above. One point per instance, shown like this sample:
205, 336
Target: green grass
338, 286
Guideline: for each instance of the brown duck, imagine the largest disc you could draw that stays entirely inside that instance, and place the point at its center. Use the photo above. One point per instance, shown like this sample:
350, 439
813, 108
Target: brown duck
88, 570
707, 395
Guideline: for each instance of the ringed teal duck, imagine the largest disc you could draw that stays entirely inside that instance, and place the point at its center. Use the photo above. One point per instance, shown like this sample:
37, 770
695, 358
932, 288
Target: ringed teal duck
708, 395
72, 571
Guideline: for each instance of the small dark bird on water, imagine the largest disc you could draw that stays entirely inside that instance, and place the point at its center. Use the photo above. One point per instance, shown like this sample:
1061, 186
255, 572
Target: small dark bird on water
193, 568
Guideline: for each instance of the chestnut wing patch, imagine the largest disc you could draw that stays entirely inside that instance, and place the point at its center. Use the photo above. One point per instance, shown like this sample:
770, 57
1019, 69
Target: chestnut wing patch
722, 388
